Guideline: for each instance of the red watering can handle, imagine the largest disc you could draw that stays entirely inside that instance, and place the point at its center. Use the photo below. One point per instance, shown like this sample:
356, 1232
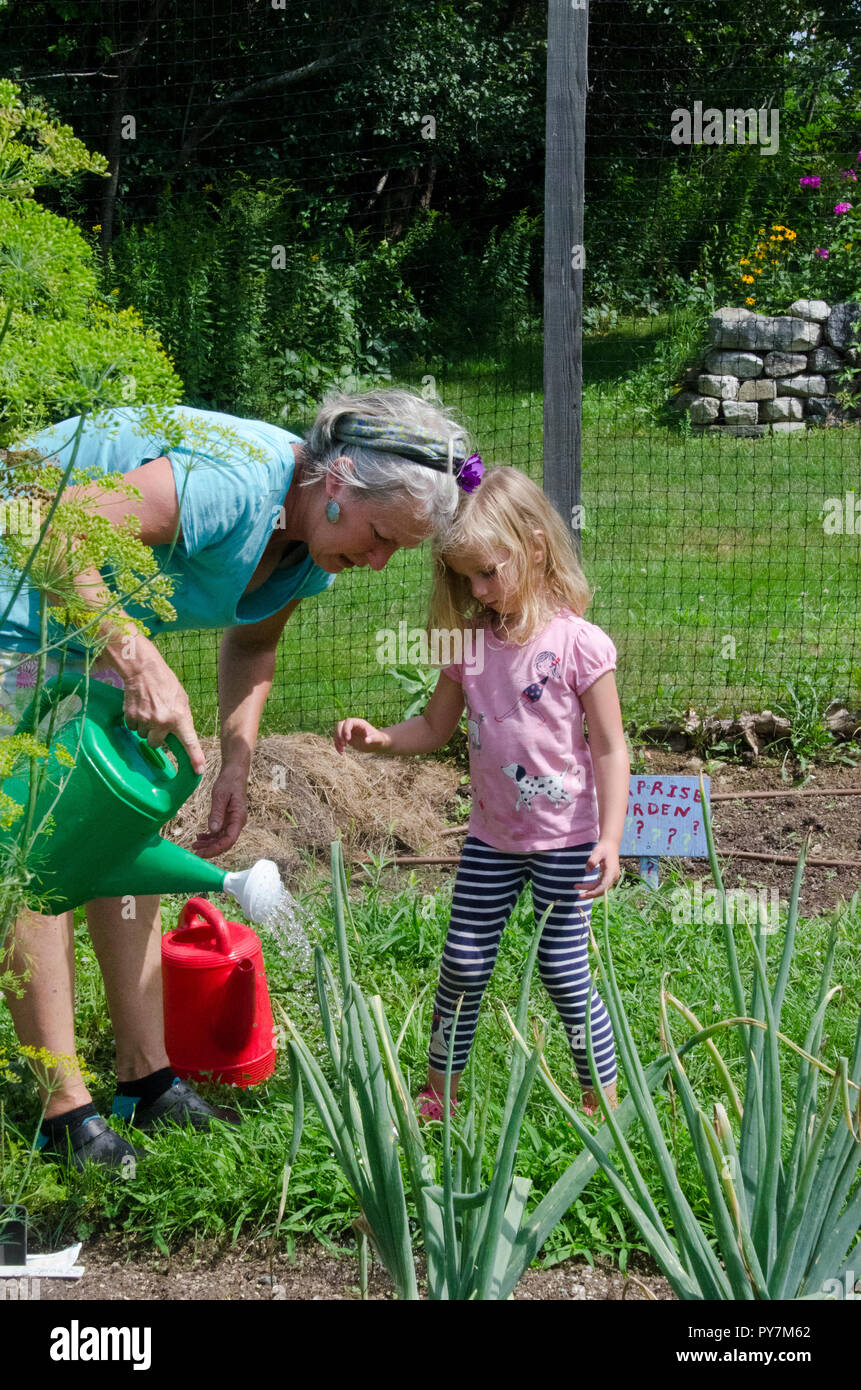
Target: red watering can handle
201, 907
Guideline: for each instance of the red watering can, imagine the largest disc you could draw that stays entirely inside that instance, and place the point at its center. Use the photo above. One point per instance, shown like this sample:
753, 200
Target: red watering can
217, 1015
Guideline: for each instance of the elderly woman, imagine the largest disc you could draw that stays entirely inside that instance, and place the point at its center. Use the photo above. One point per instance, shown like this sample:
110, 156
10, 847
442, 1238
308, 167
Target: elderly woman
246, 534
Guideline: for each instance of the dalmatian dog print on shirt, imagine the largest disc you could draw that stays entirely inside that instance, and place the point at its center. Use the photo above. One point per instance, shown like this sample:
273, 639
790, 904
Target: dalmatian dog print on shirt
530, 785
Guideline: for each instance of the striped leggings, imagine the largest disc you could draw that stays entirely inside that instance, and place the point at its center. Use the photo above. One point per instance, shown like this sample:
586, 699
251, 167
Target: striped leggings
488, 884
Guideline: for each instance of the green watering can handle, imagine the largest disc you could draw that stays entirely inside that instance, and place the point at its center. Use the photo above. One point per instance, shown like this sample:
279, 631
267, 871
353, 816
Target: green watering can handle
183, 774
110, 699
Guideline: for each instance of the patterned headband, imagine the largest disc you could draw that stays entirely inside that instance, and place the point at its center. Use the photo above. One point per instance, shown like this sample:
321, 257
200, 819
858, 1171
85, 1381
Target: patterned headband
415, 443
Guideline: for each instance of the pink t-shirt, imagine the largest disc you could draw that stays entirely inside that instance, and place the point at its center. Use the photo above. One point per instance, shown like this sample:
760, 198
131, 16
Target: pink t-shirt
533, 787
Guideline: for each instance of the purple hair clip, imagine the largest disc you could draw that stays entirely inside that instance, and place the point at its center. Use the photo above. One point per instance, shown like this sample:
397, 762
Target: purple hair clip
470, 473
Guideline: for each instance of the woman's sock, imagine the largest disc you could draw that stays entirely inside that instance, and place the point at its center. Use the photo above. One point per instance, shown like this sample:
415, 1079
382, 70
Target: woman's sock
148, 1088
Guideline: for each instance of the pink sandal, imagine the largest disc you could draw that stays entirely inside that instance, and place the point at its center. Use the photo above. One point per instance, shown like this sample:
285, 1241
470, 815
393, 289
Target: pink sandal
429, 1104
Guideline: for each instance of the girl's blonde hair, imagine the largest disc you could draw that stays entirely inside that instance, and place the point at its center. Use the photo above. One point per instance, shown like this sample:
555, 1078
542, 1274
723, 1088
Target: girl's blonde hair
505, 514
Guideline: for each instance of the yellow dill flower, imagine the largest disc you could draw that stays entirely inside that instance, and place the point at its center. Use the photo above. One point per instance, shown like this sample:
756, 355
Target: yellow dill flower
43, 1057
747, 279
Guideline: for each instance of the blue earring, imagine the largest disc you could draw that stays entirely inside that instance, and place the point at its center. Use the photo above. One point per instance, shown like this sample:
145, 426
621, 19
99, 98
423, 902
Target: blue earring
333, 511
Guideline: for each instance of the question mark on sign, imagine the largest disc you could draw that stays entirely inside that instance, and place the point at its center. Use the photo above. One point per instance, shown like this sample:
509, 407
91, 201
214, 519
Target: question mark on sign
686, 841
640, 825
656, 834
673, 831
696, 826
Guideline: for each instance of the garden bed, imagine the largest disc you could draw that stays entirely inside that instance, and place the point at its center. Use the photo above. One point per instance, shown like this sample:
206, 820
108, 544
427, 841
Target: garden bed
250, 1275
303, 795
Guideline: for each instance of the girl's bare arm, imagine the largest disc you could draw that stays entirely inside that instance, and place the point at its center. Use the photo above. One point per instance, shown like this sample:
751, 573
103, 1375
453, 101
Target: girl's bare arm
425, 733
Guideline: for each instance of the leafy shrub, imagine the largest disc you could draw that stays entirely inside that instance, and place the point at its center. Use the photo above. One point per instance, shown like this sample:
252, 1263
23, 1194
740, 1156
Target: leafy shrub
63, 348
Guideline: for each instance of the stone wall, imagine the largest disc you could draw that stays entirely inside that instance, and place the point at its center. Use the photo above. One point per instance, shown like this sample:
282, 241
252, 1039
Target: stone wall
762, 375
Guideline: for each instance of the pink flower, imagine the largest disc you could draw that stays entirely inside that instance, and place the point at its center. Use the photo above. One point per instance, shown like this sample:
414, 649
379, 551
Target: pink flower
822, 252
811, 180
842, 207
849, 174
25, 678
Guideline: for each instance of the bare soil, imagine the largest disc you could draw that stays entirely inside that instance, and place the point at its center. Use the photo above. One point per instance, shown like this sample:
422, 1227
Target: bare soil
779, 826
251, 1274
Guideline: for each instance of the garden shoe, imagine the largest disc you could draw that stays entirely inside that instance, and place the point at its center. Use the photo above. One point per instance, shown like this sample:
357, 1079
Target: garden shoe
430, 1105
179, 1104
91, 1141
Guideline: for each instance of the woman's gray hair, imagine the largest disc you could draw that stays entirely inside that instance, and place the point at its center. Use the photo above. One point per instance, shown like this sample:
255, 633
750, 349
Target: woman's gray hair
384, 477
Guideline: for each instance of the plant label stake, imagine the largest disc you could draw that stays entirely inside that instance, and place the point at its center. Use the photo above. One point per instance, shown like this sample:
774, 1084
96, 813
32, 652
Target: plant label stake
665, 818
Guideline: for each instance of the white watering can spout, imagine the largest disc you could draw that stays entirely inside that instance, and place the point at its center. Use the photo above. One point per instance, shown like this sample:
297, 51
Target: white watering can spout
258, 890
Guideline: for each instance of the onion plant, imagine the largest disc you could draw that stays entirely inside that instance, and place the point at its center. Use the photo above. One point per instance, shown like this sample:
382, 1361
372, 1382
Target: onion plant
478, 1236
785, 1206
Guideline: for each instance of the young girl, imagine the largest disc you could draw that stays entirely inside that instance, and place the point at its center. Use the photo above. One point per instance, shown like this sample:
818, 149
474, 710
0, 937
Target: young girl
546, 805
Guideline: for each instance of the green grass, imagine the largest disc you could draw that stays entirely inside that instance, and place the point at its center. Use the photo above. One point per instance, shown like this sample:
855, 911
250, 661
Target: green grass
712, 571
220, 1185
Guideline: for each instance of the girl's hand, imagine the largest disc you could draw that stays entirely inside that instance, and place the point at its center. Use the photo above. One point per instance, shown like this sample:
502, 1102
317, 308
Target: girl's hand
359, 734
605, 856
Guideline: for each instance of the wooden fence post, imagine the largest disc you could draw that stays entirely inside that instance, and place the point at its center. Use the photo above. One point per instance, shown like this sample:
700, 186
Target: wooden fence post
564, 255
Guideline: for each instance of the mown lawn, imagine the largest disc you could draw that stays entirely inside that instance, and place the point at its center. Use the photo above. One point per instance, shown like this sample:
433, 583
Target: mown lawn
712, 570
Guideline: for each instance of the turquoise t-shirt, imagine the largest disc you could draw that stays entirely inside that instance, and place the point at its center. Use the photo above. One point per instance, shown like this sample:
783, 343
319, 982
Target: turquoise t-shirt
232, 477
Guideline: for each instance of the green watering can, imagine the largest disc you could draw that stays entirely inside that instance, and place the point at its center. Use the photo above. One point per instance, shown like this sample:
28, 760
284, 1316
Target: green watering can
108, 809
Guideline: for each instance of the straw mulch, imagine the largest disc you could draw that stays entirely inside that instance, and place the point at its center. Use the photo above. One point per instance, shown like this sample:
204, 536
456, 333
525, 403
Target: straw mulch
303, 795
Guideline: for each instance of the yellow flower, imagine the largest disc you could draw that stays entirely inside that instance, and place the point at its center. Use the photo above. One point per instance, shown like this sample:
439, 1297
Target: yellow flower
97, 226
790, 236
750, 300
762, 231
744, 261
848, 245
757, 270
747, 279
774, 263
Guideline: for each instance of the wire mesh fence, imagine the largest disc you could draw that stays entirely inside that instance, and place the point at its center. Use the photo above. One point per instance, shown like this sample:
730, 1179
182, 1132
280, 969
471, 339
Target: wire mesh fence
307, 195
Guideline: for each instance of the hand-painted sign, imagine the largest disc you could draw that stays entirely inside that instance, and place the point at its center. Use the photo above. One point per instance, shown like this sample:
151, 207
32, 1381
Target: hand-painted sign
665, 817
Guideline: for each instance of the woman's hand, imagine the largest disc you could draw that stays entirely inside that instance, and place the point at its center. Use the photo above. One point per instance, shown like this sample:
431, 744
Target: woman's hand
605, 856
359, 734
154, 702
228, 813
